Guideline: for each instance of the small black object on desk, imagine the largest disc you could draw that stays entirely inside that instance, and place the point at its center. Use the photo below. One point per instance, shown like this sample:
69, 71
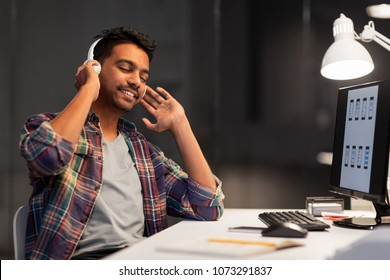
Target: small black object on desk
286, 229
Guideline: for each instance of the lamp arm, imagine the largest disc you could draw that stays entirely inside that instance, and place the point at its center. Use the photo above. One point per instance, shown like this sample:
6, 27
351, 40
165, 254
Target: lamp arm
382, 40
370, 34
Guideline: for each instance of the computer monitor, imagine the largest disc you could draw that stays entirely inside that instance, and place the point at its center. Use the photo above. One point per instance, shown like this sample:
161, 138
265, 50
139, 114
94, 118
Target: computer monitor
361, 149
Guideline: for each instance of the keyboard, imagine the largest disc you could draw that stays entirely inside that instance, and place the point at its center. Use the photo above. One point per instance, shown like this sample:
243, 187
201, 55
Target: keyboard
301, 218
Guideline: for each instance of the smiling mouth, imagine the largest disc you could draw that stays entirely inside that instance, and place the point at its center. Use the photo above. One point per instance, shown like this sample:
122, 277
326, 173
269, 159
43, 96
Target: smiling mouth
128, 93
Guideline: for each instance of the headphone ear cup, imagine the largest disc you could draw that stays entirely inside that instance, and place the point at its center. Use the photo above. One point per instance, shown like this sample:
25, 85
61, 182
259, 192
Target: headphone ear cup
98, 68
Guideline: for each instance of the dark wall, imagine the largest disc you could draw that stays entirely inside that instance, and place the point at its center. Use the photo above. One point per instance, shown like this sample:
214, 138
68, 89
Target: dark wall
271, 88
247, 76
276, 112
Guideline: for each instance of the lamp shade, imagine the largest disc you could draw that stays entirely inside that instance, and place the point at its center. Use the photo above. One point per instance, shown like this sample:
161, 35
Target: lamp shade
379, 11
346, 58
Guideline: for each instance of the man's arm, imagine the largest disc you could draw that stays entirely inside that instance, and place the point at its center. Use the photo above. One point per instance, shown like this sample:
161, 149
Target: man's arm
69, 123
170, 116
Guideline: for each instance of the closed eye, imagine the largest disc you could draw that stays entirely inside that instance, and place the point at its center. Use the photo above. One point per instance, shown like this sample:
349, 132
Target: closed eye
124, 69
127, 67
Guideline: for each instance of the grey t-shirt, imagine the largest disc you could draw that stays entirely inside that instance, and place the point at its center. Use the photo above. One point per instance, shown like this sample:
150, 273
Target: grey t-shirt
117, 219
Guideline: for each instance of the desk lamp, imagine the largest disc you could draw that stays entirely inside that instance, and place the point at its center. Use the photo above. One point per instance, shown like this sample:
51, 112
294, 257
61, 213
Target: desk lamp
379, 11
346, 58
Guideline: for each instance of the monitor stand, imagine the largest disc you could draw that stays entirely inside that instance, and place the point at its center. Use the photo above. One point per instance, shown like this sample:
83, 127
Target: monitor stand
382, 217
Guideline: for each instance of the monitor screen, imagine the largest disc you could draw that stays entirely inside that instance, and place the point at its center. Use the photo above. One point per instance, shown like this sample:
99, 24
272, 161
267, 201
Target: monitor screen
361, 143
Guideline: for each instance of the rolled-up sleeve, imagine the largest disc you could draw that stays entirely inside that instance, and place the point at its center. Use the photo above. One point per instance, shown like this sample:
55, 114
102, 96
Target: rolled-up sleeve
186, 197
44, 150
203, 196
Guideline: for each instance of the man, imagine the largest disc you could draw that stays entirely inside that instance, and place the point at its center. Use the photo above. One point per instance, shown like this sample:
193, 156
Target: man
98, 184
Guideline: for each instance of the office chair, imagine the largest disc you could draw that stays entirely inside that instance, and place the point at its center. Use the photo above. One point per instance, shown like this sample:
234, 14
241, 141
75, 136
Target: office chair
19, 231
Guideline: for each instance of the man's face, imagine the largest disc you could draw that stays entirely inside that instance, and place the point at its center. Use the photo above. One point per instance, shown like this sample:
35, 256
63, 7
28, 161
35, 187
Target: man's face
123, 77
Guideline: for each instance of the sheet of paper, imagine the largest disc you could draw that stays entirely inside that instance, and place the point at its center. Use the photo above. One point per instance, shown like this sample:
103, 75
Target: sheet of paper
228, 247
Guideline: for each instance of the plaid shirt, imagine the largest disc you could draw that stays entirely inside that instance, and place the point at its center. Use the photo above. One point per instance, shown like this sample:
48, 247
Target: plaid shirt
67, 179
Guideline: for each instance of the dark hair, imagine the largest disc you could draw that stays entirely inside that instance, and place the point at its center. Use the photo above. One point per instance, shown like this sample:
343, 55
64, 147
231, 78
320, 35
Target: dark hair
119, 35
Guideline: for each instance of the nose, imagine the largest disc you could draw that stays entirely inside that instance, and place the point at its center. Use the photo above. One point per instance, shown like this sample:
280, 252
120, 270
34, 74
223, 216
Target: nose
134, 80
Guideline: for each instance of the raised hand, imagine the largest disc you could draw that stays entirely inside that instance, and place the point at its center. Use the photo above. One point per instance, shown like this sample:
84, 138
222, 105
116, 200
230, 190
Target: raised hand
169, 113
87, 75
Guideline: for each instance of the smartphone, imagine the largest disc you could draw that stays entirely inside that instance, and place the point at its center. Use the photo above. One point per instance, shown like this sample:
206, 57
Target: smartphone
247, 229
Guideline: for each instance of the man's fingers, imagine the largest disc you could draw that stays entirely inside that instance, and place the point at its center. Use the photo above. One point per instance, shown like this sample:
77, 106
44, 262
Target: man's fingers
165, 94
159, 94
148, 124
149, 103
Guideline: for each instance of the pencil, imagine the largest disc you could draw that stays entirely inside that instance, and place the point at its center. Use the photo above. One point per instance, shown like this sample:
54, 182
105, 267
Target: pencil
243, 242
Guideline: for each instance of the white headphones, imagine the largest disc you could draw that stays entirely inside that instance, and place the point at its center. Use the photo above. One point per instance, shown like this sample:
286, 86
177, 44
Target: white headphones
97, 68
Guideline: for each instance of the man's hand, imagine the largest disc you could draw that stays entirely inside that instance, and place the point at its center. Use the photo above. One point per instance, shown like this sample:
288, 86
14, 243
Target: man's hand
69, 123
86, 75
169, 114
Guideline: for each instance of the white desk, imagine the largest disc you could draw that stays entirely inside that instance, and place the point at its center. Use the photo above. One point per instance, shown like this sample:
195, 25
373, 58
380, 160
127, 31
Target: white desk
318, 245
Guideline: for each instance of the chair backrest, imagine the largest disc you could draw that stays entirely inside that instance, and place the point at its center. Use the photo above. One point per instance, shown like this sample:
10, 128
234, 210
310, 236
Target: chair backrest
19, 231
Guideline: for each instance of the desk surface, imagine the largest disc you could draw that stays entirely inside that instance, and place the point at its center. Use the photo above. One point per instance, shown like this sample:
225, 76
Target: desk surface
317, 245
